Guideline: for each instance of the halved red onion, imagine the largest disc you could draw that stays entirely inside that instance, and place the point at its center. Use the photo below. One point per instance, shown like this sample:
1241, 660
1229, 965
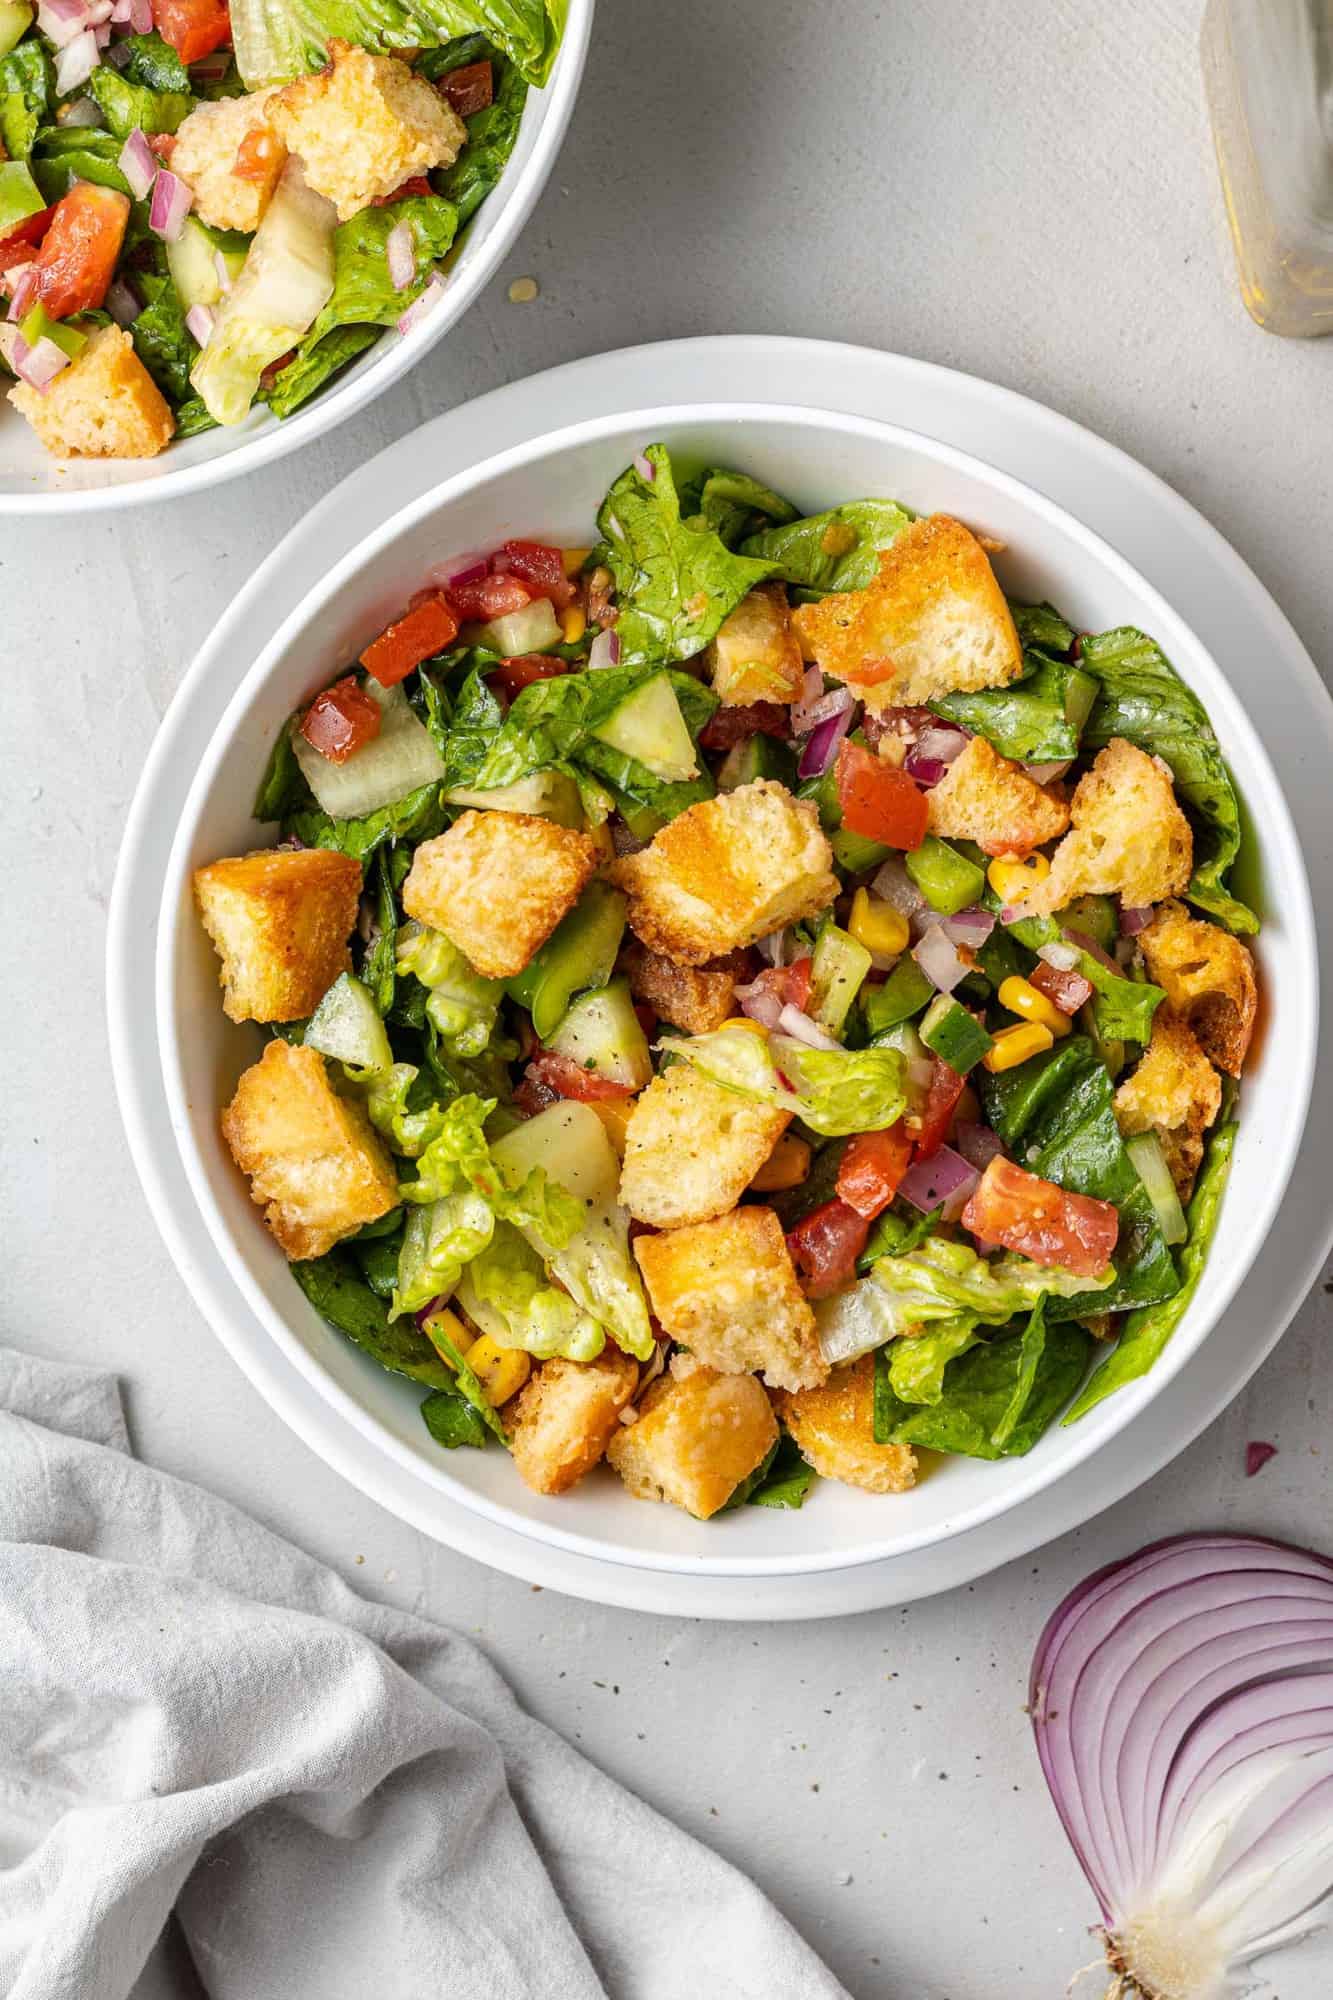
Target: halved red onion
758, 1002
978, 1144
77, 61
201, 321
23, 290
138, 164
121, 303
821, 745
896, 886
970, 927
803, 718
400, 254
1059, 953
604, 650
937, 955
61, 20
1046, 774
39, 364
644, 467
791, 1021
945, 1179
419, 307
172, 199
1135, 917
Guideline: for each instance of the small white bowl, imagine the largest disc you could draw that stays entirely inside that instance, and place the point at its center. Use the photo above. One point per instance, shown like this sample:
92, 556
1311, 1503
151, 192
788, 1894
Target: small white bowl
33, 483
551, 488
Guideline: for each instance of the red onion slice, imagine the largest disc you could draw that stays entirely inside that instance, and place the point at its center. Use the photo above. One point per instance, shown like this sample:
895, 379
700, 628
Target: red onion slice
201, 321
772, 949
791, 1021
896, 886
970, 927
39, 364
76, 62
803, 718
945, 1179
1064, 957
604, 651
419, 307
937, 955
400, 254
141, 19
1135, 918
821, 745
61, 20
170, 205
138, 164
1093, 949
24, 290
644, 467
473, 573
926, 770
758, 1002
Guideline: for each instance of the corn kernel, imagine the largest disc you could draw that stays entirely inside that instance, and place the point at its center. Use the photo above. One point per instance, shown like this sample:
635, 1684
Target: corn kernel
501, 1371
1021, 997
744, 1021
573, 560
877, 925
786, 1166
451, 1326
614, 1114
1012, 880
573, 623
1014, 1045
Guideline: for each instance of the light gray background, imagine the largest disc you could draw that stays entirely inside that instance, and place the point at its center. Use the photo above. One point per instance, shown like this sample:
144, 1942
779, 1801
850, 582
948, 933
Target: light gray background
1024, 189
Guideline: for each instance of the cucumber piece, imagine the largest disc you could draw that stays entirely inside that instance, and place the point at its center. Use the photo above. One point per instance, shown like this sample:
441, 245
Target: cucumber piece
904, 993
824, 792
757, 757
346, 1025
954, 1035
649, 727
1145, 1150
601, 1033
580, 952
549, 795
192, 261
642, 821
534, 629
855, 853
399, 760
837, 974
947, 879
15, 20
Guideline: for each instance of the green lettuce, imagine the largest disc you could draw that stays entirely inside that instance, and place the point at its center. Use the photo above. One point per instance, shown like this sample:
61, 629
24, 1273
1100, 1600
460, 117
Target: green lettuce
339, 1293
835, 1091
363, 292
730, 503
439, 1238
836, 550
1041, 625
154, 63
1026, 720
917, 1363
492, 134
1123, 1008
462, 1005
940, 1280
126, 105
420, 815
278, 39
452, 1421
787, 1478
506, 1291
161, 338
65, 154
998, 1398
27, 93
467, 1384
307, 372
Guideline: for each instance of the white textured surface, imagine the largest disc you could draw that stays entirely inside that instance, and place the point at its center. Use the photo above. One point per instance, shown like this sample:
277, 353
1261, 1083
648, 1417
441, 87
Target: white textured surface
1024, 191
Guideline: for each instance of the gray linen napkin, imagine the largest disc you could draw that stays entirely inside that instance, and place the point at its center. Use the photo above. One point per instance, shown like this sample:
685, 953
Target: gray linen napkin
336, 1798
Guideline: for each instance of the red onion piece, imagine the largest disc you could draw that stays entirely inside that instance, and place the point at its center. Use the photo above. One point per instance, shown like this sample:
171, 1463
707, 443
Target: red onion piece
803, 718
1046, 774
939, 743
1093, 949
138, 164
758, 1002
24, 290
1257, 1455
39, 364
1134, 918
61, 20
943, 1179
434, 1305
141, 19
604, 650
170, 205
419, 307
772, 949
201, 321
821, 745
120, 13
400, 254
1064, 957
970, 927
926, 770
978, 1144
801, 1028
896, 886
644, 467
77, 61
937, 955
474, 572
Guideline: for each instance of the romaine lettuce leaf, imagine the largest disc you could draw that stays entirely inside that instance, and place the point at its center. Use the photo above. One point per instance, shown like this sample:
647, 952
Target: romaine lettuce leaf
997, 1399
506, 1291
452, 1421
731, 502
341, 1295
836, 550
154, 63
835, 1091
125, 105
786, 1478
1123, 1007
1027, 719
278, 39
492, 134
308, 371
1042, 625
462, 1004
65, 154
918, 1361
363, 292
420, 815
27, 93
941, 1279
439, 1238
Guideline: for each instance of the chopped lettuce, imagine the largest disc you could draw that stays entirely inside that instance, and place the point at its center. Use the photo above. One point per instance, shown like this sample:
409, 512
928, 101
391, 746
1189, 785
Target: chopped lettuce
363, 292
308, 371
1123, 1008
1027, 720
439, 1238
917, 1362
468, 1384
452, 1421
161, 338
492, 134
506, 1291
1041, 625
835, 1091
836, 550
419, 815
731, 503
154, 63
341, 1295
126, 105
998, 1398
278, 39
462, 1004
27, 94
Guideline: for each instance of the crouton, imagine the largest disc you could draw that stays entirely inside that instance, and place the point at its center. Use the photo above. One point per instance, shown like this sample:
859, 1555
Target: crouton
697, 1435
692, 1148
1207, 976
498, 883
728, 871
363, 125
834, 1428
566, 1416
990, 799
280, 920
205, 157
316, 1164
1175, 1092
727, 1290
933, 622
756, 655
104, 405
1128, 836
695, 998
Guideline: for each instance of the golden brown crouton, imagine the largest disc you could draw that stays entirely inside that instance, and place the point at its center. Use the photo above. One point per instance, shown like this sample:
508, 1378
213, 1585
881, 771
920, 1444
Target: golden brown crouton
834, 1428
692, 1148
988, 798
932, 623
756, 655
695, 998
566, 1416
104, 405
312, 1156
1128, 836
1175, 1092
728, 871
698, 1434
363, 125
205, 157
280, 920
1208, 976
727, 1290
498, 883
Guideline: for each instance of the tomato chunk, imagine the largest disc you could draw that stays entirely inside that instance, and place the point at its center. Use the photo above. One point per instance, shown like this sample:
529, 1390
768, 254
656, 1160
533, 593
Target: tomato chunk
946, 1087
751, 718
415, 184
788, 984
1066, 990
489, 597
77, 260
541, 568
161, 145
877, 801
16, 243
1042, 1221
872, 1168
342, 720
427, 629
824, 1247
514, 675
258, 156
569, 1079
469, 89
194, 28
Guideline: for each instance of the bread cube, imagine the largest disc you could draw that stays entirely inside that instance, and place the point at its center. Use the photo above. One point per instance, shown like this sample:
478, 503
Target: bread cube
1207, 976
105, 404
1175, 1092
756, 655
363, 125
727, 1290
692, 1148
280, 920
989, 799
205, 157
694, 998
1128, 837
834, 1427
933, 622
567, 1415
315, 1162
697, 1435
728, 871
498, 883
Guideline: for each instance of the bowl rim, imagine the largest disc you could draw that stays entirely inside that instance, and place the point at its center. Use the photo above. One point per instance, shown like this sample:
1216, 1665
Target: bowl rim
390, 358
1281, 845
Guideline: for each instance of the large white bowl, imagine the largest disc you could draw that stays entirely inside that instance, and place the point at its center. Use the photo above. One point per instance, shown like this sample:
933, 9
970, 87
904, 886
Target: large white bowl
551, 487
32, 482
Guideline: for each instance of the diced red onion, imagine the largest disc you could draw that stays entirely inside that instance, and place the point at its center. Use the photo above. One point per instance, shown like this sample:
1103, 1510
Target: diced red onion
473, 573
812, 692
138, 164
1046, 774
773, 948
821, 745
978, 1144
1063, 956
120, 13
940, 743
24, 288
1093, 949
400, 253
432, 1306
758, 1002
141, 17
1257, 1455
201, 321
937, 955
970, 927
644, 467
76, 62
945, 1178
170, 205
604, 650
926, 770
61, 20
121, 303
1135, 917
896, 886
838, 701
82, 111
801, 1028
39, 364
419, 308
102, 37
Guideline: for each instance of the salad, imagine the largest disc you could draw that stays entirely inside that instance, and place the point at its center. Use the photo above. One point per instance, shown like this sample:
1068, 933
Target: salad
746, 1001
205, 207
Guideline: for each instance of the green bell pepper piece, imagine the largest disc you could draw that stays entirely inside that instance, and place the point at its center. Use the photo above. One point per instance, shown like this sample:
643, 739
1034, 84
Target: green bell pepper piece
20, 196
947, 879
580, 952
904, 993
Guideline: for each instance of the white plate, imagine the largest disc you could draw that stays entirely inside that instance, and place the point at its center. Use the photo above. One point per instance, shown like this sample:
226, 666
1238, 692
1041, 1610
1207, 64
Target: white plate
1155, 529
32, 482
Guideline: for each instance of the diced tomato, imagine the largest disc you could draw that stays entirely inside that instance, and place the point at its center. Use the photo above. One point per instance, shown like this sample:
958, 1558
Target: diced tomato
1066, 990
541, 568
16, 243
427, 629
873, 671
488, 597
1044, 1222
161, 145
946, 1087
877, 801
569, 1079
259, 155
194, 28
789, 984
871, 1169
824, 1247
77, 260
469, 89
342, 720
514, 675
751, 718
415, 184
